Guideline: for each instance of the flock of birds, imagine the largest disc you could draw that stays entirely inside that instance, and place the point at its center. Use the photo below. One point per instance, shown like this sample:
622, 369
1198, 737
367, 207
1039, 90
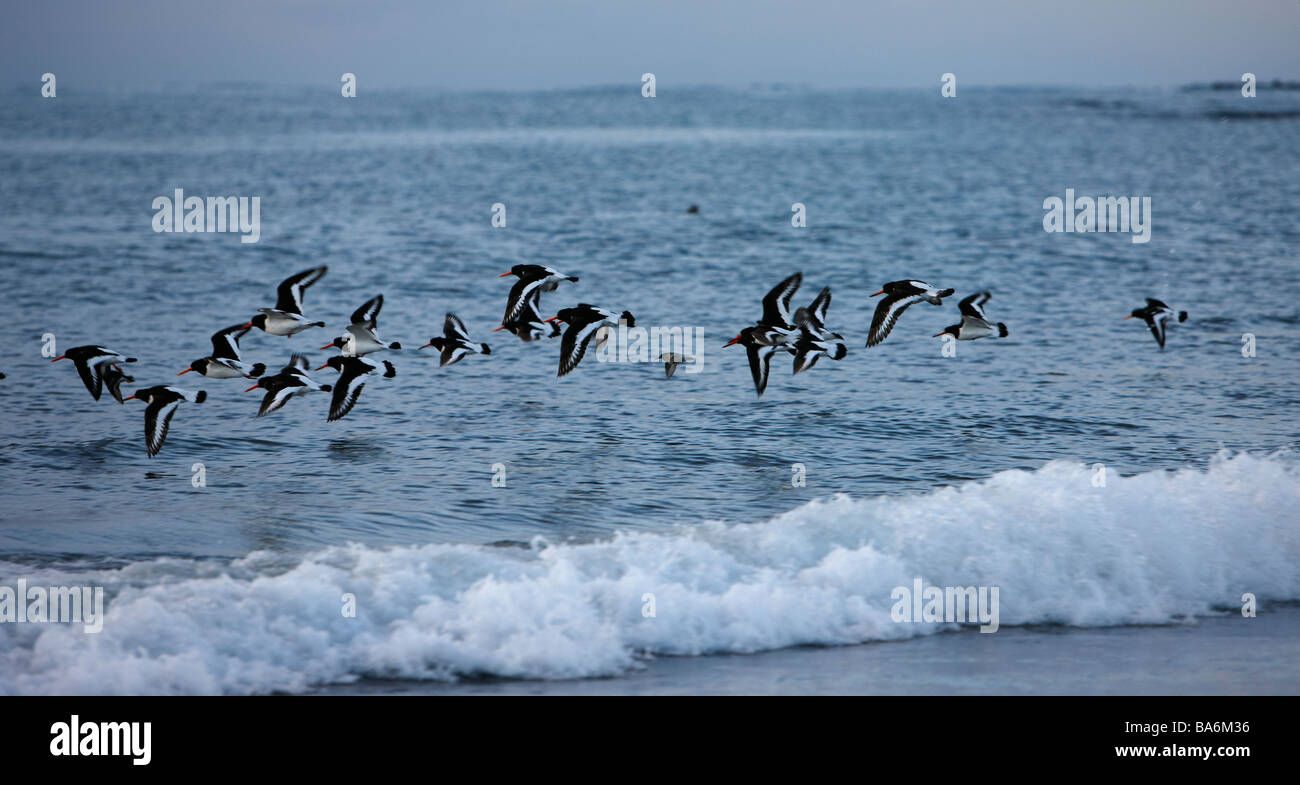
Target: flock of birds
803, 334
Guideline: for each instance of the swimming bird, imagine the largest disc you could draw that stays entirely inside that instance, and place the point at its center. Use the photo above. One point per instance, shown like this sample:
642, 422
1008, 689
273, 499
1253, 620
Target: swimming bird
455, 343
814, 340
1156, 315
533, 280
224, 363
286, 317
90, 362
583, 321
113, 378
292, 380
671, 360
349, 386
162, 401
360, 337
973, 324
760, 354
899, 295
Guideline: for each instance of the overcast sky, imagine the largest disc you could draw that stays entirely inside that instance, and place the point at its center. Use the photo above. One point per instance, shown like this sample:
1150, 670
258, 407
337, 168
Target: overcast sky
515, 44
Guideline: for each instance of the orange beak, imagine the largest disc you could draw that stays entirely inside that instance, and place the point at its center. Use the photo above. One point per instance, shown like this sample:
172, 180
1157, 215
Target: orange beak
328, 346
426, 346
733, 341
60, 357
1126, 318
936, 335
187, 370
503, 275
245, 327
128, 398
553, 319
498, 329
323, 367
250, 389
882, 291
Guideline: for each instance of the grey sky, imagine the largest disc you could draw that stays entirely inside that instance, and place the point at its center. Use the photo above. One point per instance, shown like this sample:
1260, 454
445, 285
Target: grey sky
512, 44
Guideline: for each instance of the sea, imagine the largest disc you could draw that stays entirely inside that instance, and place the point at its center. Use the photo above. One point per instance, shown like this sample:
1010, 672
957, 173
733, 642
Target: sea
489, 527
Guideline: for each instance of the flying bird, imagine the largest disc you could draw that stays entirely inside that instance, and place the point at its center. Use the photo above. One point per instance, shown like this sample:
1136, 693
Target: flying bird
671, 360
360, 337
530, 326
348, 389
113, 378
583, 321
1156, 315
759, 352
533, 280
454, 343
286, 317
973, 323
162, 402
224, 363
898, 296
292, 380
814, 340
90, 362
777, 324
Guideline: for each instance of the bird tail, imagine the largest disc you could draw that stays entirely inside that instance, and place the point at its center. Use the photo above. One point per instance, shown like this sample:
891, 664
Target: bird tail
258, 370
485, 348
391, 372
947, 293
394, 345
627, 318
1182, 316
840, 351
326, 387
201, 396
317, 324
1002, 330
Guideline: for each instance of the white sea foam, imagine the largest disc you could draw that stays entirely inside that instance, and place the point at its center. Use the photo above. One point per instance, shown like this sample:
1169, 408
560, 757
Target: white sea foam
1153, 548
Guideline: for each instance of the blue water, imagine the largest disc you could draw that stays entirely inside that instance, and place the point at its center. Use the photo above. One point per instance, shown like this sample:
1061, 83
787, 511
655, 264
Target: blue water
394, 191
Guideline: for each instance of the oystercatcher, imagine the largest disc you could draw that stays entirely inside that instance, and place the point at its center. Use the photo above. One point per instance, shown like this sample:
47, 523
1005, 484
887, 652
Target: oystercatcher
1156, 315
360, 337
286, 317
973, 324
349, 386
533, 280
224, 363
455, 343
90, 362
162, 401
899, 295
290, 381
583, 321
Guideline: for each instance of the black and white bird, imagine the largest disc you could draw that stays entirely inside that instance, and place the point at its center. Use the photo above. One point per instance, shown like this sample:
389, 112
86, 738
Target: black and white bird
360, 337
225, 363
583, 322
530, 326
91, 362
114, 376
286, 317
454, 343
973, 322
349, 386
162, 402
899, 295
673, 359
1157, 315
813, 339
760, 353
533, 280
777, 324
292, 380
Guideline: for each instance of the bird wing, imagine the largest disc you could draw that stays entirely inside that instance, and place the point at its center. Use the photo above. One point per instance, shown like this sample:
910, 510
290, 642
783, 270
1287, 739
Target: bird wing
345, 395
452, 354
776, 304
573, 345
453, 327
524, 290
157, 421
974, 305
760, 363
113, 379
277, 398
887, 313
225, 344
1157, 324
90, 377
288, 295
368, 313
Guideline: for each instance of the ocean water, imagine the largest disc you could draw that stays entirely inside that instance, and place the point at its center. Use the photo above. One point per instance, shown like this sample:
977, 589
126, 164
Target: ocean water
978, 469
